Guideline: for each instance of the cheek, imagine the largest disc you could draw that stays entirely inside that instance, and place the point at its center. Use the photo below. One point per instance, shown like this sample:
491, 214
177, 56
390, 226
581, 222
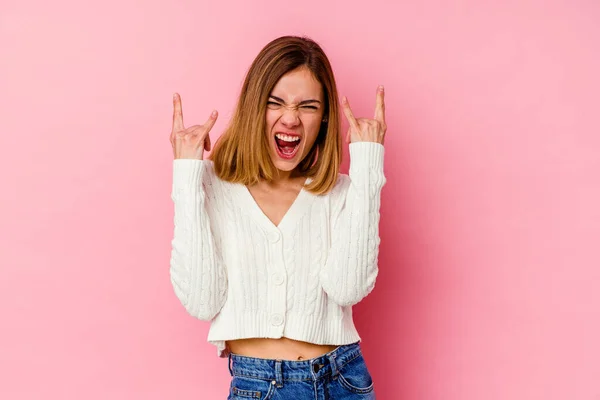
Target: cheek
270, 120
312, 131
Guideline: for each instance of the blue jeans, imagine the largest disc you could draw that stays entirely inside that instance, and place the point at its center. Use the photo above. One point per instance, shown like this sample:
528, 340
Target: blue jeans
339, 374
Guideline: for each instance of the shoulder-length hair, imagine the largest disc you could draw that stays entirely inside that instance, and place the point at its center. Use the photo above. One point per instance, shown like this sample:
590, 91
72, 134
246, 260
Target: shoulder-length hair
241, 154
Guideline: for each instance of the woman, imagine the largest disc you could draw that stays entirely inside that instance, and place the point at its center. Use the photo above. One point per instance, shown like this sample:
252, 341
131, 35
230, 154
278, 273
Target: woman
271, 243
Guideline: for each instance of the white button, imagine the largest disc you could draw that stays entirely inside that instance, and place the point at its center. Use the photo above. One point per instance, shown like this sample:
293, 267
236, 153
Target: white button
277, 278
276, 319
273, 237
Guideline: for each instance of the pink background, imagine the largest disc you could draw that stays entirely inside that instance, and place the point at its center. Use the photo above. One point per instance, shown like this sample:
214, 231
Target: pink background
490, 255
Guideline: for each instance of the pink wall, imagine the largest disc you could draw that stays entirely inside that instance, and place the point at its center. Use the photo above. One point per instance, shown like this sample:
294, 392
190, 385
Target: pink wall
490, 261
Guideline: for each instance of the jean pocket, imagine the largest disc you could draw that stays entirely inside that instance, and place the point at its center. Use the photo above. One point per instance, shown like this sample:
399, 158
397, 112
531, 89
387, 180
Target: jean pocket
243, 388
355, 377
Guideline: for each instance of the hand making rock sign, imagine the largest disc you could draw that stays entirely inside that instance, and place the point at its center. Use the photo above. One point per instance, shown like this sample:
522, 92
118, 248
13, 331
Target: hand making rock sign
365, 129
189, 142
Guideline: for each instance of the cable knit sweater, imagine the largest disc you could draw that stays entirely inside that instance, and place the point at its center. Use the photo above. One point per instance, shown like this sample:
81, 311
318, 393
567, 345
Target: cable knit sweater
231, 265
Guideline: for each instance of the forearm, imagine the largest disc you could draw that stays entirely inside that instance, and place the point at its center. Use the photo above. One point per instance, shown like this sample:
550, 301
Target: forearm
351, 268
196, 269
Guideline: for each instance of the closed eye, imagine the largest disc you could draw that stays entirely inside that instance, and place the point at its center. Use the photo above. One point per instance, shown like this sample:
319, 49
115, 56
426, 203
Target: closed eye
305, 107
273, 105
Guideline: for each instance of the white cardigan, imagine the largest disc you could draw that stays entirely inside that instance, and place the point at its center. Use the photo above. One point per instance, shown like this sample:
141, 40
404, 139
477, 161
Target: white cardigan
230, 264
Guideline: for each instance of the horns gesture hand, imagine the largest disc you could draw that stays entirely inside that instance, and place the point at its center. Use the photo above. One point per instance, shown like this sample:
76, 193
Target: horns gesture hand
365, 129
189, 142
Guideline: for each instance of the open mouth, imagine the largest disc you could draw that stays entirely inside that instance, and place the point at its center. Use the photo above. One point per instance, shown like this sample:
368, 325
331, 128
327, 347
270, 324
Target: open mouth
287, 145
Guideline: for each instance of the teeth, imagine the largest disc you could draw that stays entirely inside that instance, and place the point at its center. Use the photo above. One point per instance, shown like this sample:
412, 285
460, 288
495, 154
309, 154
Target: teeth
287, 138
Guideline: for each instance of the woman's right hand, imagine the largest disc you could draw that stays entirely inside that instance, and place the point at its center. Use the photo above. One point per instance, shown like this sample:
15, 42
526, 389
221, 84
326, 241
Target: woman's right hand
190, 142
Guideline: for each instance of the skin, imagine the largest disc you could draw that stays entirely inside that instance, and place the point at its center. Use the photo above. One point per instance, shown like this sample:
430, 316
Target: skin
295, 107
288, 113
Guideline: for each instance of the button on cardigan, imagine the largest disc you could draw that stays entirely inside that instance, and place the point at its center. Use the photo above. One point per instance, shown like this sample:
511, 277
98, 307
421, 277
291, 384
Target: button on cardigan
232, 266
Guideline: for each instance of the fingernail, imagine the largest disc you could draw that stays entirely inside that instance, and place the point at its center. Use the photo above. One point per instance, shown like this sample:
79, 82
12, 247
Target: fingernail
381, 88
214, 113
174, 96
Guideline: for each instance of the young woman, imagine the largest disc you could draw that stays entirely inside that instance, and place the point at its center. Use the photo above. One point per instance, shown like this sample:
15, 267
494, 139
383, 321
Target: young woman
271, 243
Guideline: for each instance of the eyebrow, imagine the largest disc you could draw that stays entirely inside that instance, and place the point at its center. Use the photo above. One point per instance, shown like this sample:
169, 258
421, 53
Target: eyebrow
302, 102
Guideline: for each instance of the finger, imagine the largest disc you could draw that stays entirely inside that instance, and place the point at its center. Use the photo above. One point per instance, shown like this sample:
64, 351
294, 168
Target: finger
211, 121
177, 114
348, 113
208, 126
199, 131
380, 105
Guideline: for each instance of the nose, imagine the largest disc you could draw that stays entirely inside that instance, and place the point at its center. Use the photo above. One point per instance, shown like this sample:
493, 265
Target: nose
290, 118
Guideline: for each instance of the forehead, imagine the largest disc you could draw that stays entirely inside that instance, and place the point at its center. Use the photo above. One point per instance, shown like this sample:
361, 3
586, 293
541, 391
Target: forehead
298, 85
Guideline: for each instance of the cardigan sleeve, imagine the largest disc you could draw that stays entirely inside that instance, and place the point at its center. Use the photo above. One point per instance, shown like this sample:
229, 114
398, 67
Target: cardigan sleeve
351, 267
197, 272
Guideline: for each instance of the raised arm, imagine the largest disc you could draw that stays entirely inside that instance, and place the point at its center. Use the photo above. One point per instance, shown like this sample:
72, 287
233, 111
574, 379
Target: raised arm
197, 273
351, 268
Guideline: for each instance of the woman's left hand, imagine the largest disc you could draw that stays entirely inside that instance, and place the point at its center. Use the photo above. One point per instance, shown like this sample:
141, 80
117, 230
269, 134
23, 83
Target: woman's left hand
365, 129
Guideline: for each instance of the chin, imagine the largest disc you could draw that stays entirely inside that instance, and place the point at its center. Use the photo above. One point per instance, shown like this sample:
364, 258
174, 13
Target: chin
286, 166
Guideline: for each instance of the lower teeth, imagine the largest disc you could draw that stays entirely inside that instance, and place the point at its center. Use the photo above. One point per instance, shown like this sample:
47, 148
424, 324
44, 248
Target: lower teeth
288, 150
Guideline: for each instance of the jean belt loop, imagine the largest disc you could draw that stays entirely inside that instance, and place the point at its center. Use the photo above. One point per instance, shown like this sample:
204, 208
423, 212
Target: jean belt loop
333, 363
229, 364
279, 373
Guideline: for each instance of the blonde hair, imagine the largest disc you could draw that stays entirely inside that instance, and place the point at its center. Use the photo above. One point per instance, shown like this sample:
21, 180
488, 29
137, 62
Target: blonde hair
241, 154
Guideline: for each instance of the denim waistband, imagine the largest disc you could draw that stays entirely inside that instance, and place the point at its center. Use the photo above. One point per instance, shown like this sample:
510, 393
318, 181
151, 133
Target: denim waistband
280, 371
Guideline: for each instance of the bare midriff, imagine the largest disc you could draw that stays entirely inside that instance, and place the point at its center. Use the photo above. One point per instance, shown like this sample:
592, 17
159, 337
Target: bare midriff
278, 349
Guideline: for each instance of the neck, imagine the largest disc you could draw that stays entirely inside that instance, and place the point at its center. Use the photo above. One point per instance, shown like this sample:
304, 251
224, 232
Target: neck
283, 178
